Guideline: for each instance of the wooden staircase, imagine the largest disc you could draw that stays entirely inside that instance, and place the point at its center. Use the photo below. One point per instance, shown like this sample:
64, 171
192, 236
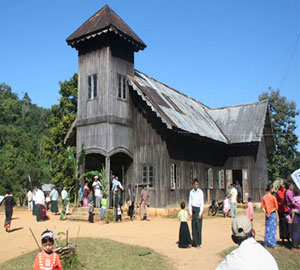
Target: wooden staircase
81, 213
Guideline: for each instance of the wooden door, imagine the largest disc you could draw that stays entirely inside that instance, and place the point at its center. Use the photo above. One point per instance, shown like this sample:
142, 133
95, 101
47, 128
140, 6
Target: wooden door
228, 179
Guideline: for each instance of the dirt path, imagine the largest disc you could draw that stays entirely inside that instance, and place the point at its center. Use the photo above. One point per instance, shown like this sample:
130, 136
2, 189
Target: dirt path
159, 234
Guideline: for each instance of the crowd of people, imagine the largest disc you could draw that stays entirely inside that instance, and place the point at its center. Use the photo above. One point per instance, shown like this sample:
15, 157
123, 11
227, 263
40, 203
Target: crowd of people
285, 203
92, 197
250, 254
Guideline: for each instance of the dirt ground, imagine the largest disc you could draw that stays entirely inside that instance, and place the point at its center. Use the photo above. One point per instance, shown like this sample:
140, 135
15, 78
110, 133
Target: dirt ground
160, 234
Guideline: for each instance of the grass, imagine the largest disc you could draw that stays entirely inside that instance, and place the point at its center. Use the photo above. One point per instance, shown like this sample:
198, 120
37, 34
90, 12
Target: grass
100, 254
286, 259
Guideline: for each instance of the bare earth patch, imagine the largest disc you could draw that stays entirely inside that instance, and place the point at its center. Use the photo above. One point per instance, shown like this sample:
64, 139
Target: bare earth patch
160, 234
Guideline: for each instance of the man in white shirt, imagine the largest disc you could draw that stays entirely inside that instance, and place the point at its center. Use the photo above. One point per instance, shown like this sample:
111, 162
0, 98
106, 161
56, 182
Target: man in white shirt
196, 207
39, 202
115, 183
97, 191
64, 195
233, 200
54, 198
250, 254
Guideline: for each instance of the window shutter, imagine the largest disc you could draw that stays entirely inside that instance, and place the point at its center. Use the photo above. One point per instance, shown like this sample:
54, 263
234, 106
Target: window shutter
222, 179
172, 174
177, 177
228, 178
210, 179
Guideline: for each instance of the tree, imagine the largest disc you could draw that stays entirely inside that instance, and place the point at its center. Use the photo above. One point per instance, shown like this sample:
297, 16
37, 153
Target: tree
285, 159
60, 120
23, 127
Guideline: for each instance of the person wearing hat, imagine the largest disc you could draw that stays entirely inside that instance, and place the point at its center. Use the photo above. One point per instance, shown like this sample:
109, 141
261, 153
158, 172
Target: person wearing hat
250, 254
97, 191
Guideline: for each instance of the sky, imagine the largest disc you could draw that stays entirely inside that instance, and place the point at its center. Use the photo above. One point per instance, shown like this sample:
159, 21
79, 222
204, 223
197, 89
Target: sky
220, 52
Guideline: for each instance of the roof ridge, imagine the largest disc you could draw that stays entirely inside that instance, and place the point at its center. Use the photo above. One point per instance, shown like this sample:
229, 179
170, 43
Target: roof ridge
177, 91
242, 105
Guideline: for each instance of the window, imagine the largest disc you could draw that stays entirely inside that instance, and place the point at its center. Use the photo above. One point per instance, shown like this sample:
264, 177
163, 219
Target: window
175, 176
122, 87
210, 179
92, 86
148, 175
192, 174
221, 179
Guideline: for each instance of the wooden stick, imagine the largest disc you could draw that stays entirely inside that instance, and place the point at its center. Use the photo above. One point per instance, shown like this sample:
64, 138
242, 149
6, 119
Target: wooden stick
77, 235
35, 239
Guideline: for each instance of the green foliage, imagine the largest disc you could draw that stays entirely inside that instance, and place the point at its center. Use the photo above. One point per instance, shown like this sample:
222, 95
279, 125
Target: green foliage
60, 120
23, 129
285, 159
102, 177
110, 216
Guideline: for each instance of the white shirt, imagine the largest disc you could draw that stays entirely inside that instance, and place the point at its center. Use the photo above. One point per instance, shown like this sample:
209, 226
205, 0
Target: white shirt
29, 196
233, 194
97, 188
116, 183
39, 197
64, 194
249, 255
196, 199
54, 195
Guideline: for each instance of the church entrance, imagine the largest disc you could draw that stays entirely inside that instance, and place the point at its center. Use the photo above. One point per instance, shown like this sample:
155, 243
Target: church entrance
121, 166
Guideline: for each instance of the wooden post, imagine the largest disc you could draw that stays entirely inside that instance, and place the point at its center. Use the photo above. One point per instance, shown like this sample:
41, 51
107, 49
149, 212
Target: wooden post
107, 169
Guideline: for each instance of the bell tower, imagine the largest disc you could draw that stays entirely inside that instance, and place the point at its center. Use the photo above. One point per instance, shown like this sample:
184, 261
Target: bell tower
106, 46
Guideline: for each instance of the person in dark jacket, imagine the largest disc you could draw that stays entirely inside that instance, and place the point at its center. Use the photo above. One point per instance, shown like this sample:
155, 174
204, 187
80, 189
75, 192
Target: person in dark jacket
118, 204
9, 204
130, 200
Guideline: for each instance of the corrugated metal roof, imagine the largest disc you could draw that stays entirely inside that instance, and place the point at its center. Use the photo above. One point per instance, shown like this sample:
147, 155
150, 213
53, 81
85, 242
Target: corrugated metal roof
241, 123
175, 109
102, 21
235, 124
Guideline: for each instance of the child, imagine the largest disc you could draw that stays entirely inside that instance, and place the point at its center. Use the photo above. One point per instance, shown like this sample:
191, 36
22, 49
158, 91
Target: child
103, 206
249, 210
185, 240
47, 259
226, 207
296, 203
91, 209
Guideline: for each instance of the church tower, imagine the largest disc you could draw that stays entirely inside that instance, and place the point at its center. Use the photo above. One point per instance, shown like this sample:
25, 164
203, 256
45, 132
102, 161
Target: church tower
106, 46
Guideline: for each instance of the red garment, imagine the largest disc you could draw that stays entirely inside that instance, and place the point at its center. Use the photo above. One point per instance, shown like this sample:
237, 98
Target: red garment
44, 261
280, 196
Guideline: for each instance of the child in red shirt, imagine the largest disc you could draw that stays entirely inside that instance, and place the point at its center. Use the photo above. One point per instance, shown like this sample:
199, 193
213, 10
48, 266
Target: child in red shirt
47, 259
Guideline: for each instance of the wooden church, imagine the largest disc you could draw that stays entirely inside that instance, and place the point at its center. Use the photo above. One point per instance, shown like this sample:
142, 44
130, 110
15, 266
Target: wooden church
145, 132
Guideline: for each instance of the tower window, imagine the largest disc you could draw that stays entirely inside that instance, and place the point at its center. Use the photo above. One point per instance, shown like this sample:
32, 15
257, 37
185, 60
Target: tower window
122, 87
92, 86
